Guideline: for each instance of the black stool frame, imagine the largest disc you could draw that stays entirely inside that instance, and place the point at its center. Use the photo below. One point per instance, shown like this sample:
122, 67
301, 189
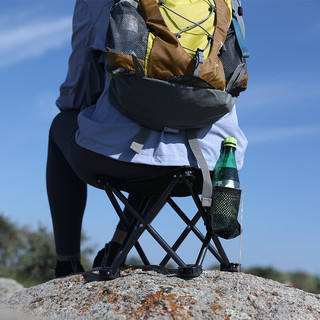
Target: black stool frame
143, 222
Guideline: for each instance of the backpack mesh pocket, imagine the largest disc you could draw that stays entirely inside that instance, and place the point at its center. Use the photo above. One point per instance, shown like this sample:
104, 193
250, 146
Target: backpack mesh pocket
222, 216
230, 53
127, 32
231, 57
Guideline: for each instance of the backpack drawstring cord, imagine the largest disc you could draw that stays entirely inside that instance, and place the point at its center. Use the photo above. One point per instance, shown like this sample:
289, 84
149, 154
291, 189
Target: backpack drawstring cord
193, 25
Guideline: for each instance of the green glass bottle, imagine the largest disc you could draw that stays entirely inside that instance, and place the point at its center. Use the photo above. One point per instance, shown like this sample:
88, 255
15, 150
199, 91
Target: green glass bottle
225, 172
226, 192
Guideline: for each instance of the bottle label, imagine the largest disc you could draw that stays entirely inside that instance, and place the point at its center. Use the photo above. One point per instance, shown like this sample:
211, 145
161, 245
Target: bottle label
225, 175
227, 183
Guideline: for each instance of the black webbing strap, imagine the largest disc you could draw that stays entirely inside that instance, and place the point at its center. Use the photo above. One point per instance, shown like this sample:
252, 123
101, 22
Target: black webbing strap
140, 139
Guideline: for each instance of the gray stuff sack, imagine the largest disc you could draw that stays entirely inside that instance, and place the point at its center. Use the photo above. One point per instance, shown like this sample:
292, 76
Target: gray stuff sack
162, 105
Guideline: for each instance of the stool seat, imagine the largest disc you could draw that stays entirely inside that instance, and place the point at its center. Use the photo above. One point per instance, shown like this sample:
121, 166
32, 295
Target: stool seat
155, 186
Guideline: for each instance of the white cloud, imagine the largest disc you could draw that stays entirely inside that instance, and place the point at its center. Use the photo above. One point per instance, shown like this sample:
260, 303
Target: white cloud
33, 39
259, 135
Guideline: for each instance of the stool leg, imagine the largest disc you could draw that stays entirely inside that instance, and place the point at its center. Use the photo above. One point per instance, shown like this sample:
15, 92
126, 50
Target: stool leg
122, 217
203, 249
152, 210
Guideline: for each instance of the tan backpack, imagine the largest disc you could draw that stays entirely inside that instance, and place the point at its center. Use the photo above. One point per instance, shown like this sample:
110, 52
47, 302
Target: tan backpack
176, 65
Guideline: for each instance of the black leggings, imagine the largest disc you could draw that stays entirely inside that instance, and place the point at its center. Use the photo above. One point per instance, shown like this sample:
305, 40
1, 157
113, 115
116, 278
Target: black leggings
70, 168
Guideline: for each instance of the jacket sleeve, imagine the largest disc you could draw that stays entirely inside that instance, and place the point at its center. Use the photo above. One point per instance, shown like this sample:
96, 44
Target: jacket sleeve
82, 61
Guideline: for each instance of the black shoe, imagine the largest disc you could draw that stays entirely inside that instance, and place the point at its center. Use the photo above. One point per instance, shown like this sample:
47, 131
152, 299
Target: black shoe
110, 251
65, 268
99, 257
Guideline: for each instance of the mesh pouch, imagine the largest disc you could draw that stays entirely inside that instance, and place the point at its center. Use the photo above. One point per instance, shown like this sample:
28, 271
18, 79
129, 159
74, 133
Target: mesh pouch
221, 218
231, 57
230, 53
127, 32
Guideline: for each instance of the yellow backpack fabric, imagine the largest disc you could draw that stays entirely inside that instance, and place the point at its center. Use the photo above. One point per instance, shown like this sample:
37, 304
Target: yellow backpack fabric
195, 10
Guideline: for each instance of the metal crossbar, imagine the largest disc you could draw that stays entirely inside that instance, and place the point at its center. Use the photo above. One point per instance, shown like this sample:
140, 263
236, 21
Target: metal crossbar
190, 227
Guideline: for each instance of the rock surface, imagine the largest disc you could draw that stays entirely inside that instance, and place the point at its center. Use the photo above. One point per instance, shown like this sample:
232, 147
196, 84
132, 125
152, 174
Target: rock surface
8, 287
151, 294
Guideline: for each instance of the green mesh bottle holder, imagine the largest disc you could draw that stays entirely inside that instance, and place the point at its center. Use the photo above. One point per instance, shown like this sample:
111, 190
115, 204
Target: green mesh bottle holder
222, 216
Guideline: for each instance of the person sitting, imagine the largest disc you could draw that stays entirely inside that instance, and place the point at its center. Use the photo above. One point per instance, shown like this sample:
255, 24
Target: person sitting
90, 137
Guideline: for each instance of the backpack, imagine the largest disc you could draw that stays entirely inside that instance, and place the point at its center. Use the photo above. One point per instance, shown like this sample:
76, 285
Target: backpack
176, 65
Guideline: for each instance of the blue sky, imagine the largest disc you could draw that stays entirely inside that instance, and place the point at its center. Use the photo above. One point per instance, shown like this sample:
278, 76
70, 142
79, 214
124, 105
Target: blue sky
279, 113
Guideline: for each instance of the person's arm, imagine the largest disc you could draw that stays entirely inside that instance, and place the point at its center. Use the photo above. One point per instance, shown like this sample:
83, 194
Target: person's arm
73, 90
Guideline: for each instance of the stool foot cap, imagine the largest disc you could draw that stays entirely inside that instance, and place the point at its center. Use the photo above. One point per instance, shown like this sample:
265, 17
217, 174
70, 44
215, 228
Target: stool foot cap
190, 271
107, 274
232, 267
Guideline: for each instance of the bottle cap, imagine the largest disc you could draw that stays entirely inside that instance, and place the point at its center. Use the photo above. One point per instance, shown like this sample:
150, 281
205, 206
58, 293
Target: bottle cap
230, 142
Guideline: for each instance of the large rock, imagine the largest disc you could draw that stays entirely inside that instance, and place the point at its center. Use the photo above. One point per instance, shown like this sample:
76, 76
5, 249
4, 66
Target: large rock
8, 287
151, 294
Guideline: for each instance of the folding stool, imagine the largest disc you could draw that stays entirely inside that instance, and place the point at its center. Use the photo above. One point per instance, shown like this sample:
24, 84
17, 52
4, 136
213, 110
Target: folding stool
185, 182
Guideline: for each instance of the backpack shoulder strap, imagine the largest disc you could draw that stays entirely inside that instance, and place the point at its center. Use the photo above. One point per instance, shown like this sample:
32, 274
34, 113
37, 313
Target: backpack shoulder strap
239, 28
237, 12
